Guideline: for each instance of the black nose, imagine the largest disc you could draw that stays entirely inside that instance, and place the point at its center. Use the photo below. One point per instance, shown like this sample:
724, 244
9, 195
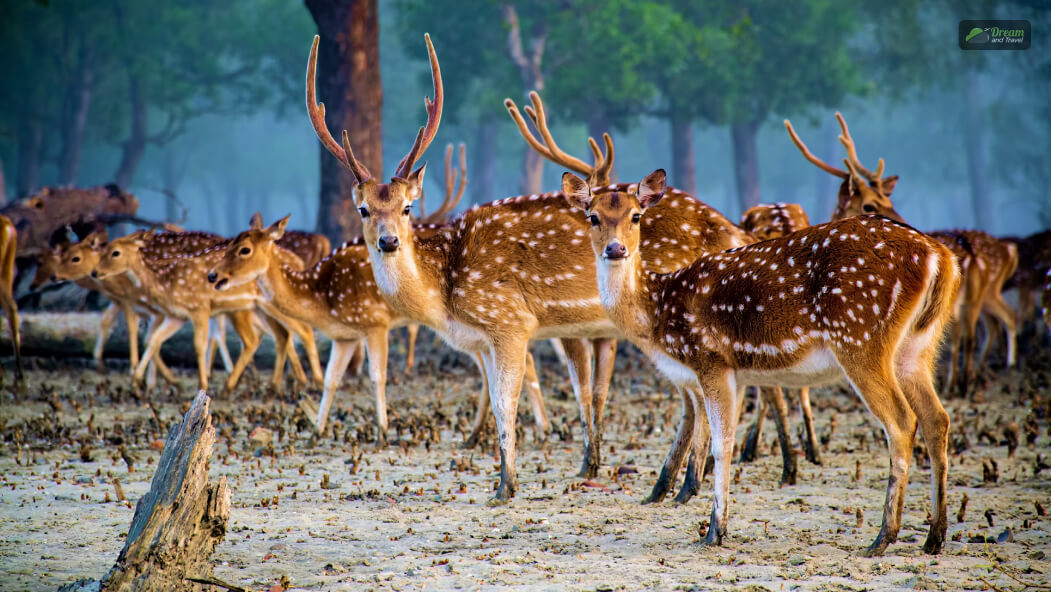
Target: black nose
94, 273
52, 277
212, 276
616, 251
388, 244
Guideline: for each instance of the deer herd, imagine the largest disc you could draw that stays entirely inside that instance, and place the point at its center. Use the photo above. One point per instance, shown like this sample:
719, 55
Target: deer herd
773, 302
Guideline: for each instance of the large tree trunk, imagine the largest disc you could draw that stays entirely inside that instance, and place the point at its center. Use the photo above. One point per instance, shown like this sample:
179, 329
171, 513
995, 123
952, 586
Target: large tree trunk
974, 145
532, 79
135, 146
482, 154
746, 162
682, 162
30, 143
350, 86
75, 115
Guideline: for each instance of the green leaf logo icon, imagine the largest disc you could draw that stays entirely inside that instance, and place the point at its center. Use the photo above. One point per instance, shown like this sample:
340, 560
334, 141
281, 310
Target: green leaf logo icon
978, 35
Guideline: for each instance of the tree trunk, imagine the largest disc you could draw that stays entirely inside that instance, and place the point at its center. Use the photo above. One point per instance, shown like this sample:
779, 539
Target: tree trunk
75, 115
350, 86
3, 184
974, 145
481, 153
683, 173
135, 145
746, 162
30, 143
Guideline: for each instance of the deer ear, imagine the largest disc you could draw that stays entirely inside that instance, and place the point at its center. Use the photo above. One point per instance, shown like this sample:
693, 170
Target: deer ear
887, 185
277, 229
576, 191
256, 223
652, 188
97, 239
415, 181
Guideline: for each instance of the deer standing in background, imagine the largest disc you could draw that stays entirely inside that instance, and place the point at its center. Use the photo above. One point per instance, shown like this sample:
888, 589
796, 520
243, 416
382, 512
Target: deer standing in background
8, 248
986, 262
501, 274
866, 298
179, 287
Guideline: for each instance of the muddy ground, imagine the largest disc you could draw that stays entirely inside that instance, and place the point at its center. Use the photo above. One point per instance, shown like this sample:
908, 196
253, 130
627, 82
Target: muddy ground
412, 516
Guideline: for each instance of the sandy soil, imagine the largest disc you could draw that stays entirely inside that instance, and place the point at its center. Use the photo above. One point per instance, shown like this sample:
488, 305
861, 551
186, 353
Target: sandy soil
412, 516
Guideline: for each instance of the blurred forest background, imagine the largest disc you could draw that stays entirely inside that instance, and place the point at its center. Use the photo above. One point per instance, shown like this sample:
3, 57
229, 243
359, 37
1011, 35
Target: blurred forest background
204, 99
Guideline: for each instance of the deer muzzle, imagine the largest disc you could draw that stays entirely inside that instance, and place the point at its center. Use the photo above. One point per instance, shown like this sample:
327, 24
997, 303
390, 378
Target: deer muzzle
615, 250
388, 243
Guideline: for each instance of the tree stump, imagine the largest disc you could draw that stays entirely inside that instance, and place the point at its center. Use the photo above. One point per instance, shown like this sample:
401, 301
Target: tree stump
179, 522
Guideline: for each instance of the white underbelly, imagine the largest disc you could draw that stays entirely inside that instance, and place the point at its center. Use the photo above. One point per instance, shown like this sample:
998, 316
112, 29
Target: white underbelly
675, 371
817, 369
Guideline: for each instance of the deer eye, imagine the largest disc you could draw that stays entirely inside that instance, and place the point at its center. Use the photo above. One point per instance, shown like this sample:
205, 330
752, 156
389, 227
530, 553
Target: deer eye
407, 210
594, 220
115, 254
869, 208
636, 217
364, 212
245, 251
76, 260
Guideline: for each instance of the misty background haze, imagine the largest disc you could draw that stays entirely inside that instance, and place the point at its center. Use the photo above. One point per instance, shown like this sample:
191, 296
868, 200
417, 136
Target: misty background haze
256, 150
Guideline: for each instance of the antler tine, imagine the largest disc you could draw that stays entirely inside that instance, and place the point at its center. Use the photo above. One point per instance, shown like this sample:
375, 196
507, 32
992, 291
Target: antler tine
852, 153
557, 155
453, 191
523, 128
317, 119
434, 115
810, 156
605, 166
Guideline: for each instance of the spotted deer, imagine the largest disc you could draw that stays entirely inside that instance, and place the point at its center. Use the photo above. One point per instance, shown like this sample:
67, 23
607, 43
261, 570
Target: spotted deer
310, 247
865, 298
986, 262
8, 248
766, 221
502, 273
179, 287
671, 239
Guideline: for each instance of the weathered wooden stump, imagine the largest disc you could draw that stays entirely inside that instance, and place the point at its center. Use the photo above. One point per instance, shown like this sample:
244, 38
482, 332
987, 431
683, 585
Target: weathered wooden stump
179, 522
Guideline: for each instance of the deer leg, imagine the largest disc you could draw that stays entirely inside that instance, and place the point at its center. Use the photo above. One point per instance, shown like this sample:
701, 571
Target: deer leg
410, 347
995, 306
200, 347
578, 354
918, 388
673, 462
879, 389
282, 345
245, 328
166, 329
776, 397
306, 335
810, 445
131, 319
720, 402
338, 359
109, 316
605, 356
358, 360
11, 312
220, 342
536, 398
376, 347
504, 366
702, 439
751, 443
481, 414
157, 361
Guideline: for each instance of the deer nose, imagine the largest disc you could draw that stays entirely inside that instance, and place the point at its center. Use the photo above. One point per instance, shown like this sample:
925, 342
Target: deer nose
94, 273
53, 277
388, 244
212, 276
615, 250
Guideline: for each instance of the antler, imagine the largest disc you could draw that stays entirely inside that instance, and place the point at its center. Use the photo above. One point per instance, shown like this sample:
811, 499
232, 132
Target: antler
597, 174
810, 156
852, 153
317, 117
434, 116
453, 191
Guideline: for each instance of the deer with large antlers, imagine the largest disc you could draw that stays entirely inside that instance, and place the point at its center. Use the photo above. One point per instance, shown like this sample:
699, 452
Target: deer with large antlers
985, 261
8, 247
502, 273
866, 298
179, 287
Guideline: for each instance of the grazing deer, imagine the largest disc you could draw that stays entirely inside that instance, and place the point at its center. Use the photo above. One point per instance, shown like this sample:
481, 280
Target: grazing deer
671, 240
986, 264
1034, 261
8, 247
766, 221
179, 286
866, 298
337, 297
501, 274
